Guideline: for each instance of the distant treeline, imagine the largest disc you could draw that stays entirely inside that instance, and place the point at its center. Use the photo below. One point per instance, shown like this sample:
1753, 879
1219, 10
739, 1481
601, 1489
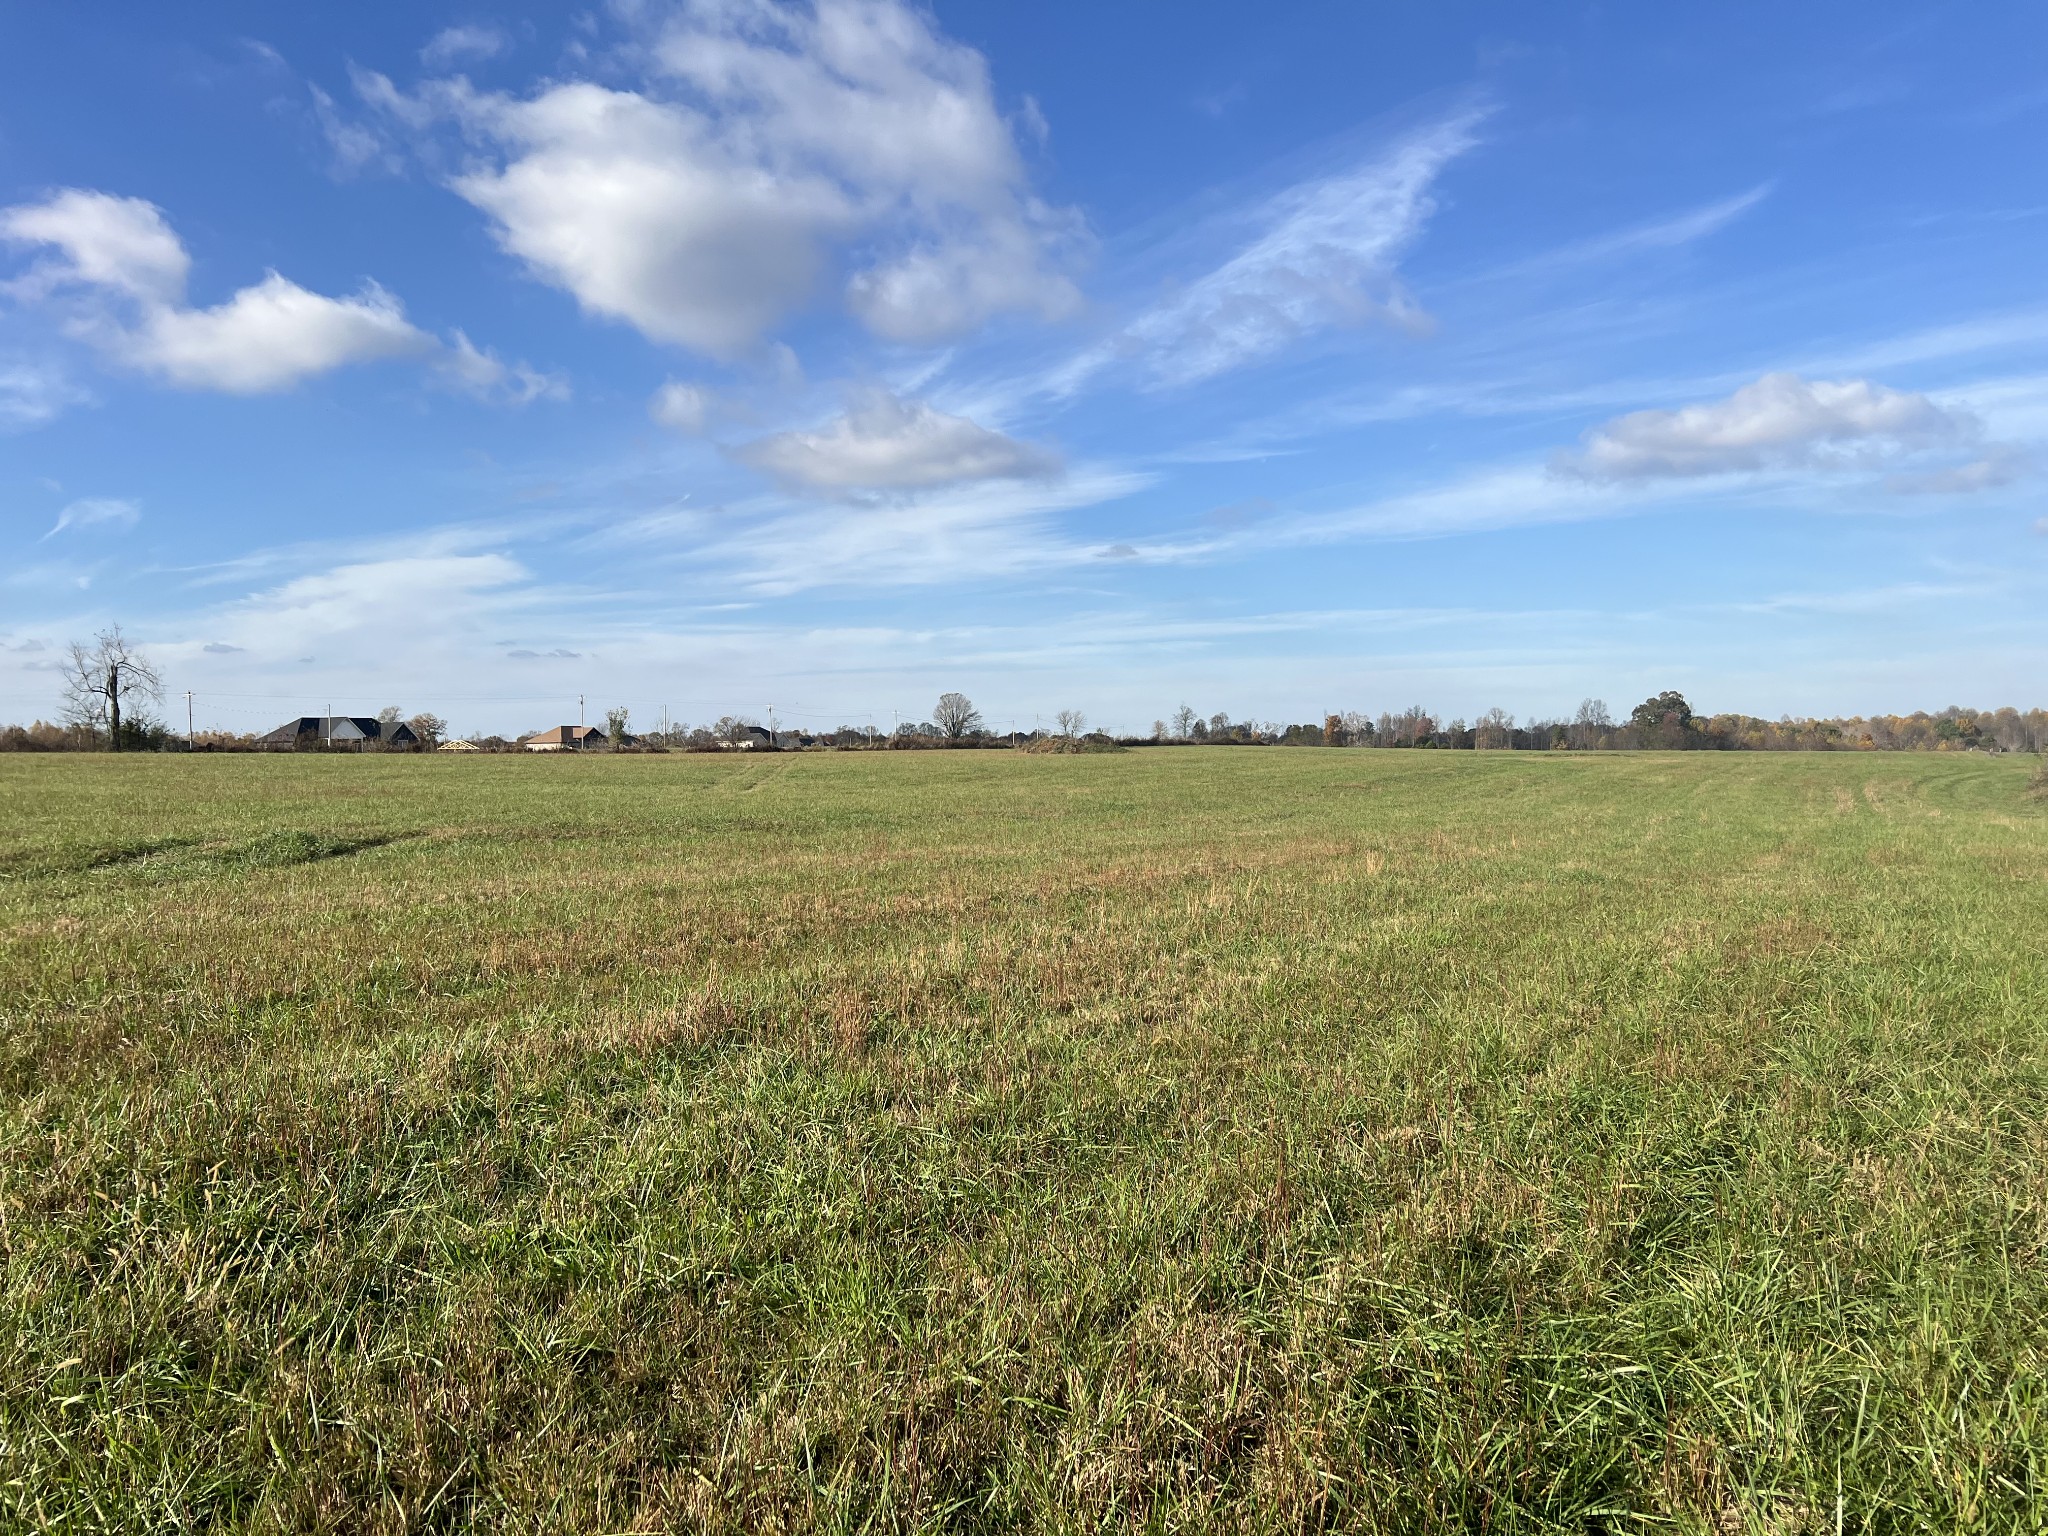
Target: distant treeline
1664, 723
1667, 722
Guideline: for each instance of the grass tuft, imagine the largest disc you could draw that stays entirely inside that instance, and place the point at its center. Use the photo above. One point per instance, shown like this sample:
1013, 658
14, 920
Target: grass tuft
276, 850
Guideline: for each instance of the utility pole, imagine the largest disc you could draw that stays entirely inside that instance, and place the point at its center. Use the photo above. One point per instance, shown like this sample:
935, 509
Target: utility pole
771, 722
579, 709
188, 717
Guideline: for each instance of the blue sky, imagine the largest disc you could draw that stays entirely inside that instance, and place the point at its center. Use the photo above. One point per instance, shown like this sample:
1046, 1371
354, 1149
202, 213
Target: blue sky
710, 357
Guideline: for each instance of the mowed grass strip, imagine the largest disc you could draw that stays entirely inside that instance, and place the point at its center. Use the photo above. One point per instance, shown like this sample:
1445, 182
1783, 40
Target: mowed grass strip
1190, 1140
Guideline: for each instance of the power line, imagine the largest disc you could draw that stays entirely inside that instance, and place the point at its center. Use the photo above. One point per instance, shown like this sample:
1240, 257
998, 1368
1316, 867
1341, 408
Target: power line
840, 712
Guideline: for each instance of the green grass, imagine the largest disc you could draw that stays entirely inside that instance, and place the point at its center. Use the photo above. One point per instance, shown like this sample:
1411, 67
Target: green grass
1191, 1140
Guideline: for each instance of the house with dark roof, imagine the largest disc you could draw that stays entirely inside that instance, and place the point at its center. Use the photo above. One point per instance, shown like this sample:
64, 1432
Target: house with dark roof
344, 733
565, 738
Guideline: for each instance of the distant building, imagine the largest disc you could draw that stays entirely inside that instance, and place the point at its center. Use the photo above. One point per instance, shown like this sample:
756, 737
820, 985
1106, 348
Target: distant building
345, 733
565, 738
755, 738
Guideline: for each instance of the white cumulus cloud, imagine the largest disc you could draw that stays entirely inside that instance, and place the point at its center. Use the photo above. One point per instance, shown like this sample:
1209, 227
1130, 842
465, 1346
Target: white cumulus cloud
684, 408
269, 336
120, 243
626, 204
768, 147
1780, 422
883, 443
123, 257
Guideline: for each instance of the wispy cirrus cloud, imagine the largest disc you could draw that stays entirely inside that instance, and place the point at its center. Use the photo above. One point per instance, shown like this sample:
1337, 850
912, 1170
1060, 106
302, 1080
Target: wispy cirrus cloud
97, 512
970, 534
459, 44
2002, 466
1326, 255
33, 394
479, 371
1669, 233
370, 601
1482, 500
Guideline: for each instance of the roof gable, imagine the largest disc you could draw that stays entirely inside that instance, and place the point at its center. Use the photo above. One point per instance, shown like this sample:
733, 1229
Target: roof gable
341, 728
567, 736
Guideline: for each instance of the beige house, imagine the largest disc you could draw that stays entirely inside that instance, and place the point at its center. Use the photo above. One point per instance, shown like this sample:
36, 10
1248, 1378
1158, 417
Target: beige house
565, 738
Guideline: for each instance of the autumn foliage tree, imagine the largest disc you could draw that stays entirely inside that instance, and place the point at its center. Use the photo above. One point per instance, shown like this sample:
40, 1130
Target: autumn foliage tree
1663, 720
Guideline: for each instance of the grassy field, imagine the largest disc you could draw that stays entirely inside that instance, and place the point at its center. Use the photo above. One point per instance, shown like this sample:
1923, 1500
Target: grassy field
1191, 1140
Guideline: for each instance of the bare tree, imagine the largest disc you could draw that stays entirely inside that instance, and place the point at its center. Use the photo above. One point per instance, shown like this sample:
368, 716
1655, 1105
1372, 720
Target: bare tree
429, 728
956, 716
1410, 728
1072, 723
732, 729
1591, 723
1184, 720
1495, 731
99, 679
616, 719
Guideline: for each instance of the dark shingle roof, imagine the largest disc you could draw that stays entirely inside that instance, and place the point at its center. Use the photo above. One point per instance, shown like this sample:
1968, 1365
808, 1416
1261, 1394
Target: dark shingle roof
347, 728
